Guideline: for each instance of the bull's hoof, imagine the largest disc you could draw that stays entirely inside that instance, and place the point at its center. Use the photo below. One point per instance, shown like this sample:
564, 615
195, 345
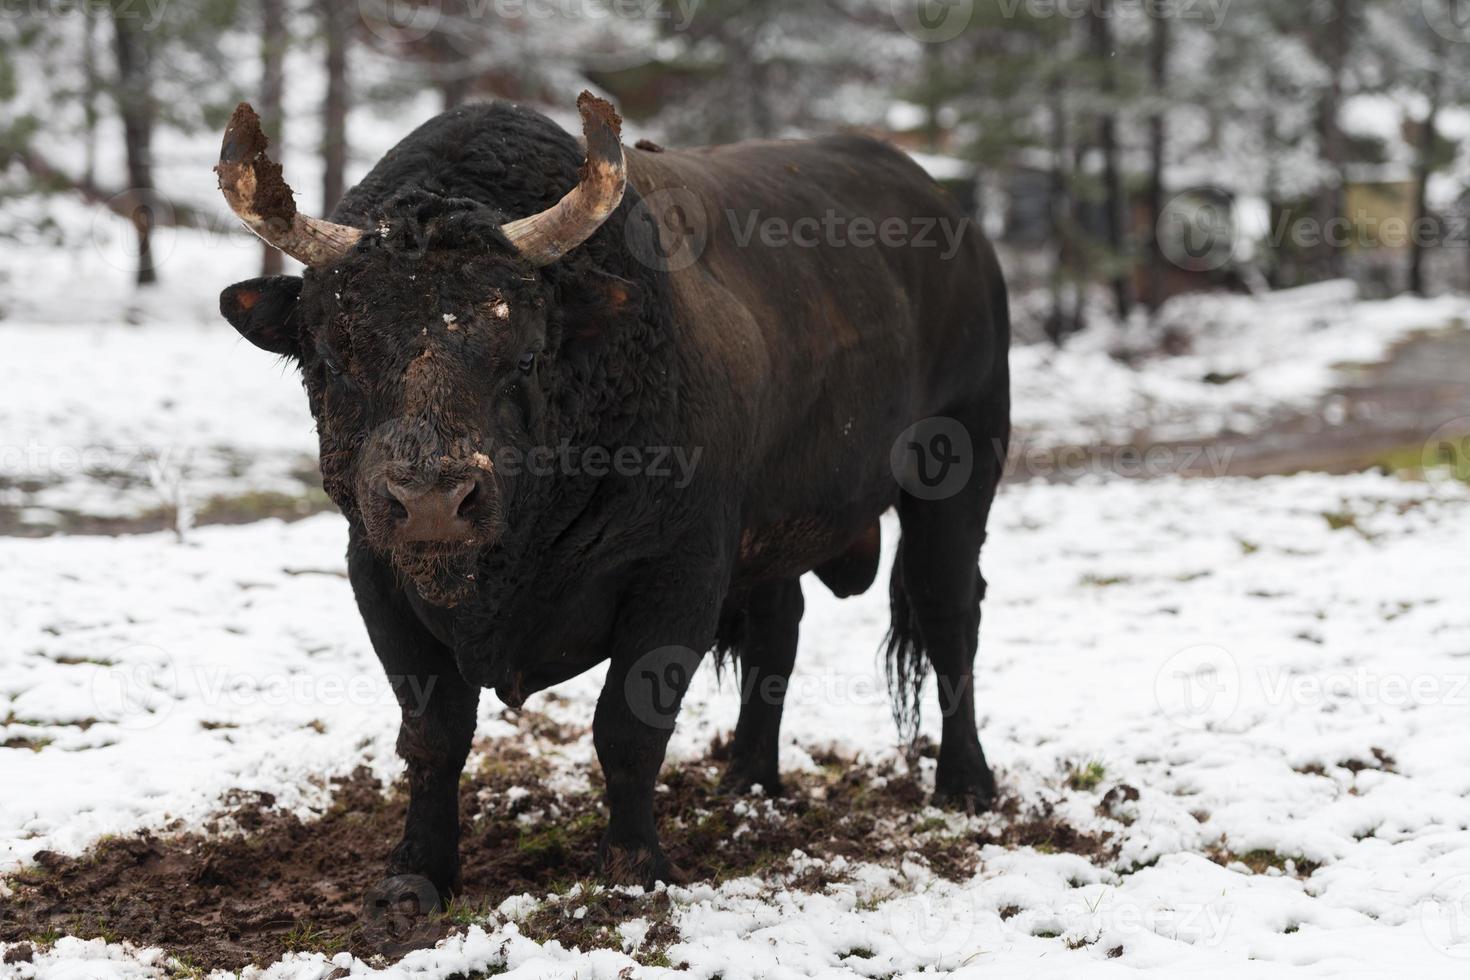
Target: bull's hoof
971, 802
968, 793
438, 870
639, 864
740, 781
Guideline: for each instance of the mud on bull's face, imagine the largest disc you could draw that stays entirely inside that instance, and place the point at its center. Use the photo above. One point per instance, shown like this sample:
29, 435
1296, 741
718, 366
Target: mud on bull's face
427, 376
423, 344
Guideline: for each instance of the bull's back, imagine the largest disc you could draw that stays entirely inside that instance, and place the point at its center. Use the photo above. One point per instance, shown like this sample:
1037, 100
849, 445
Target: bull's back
843, 296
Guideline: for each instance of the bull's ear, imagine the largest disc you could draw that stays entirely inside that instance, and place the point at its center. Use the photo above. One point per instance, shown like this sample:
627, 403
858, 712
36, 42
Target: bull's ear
264, 311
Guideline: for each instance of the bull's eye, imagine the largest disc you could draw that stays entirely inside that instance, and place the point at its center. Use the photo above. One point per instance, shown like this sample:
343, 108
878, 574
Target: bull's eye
527, 362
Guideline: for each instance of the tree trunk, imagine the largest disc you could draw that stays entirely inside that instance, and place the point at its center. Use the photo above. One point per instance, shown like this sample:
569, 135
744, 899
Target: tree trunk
1331, 198
92, 89
1158, 263
336, 20
272, 83
933, 80
1059, 208
1083, 245
1271, 140
134, 95
1115, 197
452, 68
1428, 144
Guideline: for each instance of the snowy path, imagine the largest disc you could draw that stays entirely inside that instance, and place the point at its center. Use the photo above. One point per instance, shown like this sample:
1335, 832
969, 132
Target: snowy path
1281, 669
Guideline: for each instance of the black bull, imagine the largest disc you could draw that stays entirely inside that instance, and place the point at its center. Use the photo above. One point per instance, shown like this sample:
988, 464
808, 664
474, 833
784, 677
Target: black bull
833, 343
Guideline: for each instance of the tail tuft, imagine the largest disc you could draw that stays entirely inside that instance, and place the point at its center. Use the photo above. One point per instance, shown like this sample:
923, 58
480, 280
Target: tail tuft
906, 663
730, 634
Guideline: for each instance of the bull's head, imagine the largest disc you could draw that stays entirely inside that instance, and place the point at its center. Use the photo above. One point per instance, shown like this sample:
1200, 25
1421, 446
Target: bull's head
425, 344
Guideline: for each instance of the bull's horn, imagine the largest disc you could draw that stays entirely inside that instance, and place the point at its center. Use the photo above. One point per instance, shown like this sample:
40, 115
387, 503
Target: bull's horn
255, 191
543, 238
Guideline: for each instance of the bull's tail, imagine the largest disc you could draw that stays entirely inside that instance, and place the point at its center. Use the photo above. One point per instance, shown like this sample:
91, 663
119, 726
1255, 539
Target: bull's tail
906, 662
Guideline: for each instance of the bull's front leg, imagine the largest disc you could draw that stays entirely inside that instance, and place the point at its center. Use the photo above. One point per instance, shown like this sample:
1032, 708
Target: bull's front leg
659, 643
437, 725
434, 736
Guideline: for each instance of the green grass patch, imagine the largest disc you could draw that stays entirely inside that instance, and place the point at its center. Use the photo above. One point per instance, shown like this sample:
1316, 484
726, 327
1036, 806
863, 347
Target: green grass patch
1086, 777
1105, 581
307, 937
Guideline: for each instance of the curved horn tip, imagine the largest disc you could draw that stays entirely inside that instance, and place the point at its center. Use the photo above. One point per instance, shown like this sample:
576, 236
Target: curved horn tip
598, 113
243, 136
251, 180
255, 190
547, 235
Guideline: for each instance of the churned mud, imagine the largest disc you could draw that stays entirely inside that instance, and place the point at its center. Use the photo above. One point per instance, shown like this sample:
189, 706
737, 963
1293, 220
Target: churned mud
258, 882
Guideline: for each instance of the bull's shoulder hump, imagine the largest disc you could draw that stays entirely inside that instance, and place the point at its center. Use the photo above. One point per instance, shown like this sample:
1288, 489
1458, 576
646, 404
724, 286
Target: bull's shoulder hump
815, 158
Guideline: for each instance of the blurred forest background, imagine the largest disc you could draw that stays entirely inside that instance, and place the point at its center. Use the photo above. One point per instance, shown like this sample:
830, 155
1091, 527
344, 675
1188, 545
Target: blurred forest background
1120, 151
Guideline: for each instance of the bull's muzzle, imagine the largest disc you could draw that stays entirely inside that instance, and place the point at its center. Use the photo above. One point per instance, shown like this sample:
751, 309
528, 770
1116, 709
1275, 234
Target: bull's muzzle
433, 514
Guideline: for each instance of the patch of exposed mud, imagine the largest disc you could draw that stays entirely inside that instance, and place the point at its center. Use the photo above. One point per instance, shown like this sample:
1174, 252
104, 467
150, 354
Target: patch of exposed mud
1379, 418
258, 882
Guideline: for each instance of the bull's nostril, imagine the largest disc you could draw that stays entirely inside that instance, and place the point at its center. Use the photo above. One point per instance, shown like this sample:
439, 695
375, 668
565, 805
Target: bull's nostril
396, 496
470, 499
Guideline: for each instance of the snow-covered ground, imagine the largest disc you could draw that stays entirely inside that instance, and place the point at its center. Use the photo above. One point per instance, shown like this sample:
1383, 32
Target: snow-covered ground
118, 404
1278, 667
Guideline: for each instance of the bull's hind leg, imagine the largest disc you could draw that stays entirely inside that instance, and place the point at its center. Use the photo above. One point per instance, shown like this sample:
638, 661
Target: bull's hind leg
767, 645
936, 591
